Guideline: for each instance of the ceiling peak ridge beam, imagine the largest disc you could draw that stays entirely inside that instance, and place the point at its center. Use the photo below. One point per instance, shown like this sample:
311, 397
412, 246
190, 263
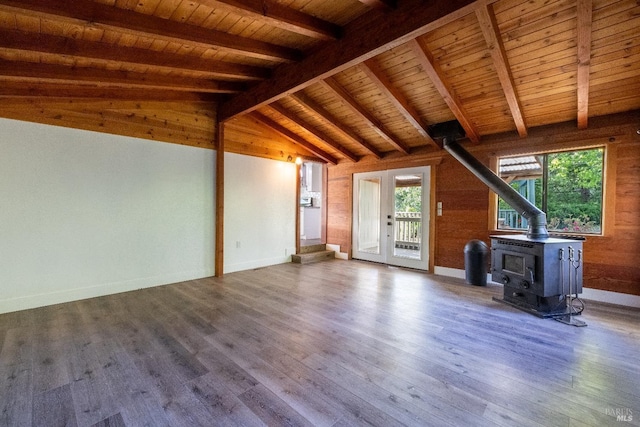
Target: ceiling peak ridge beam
584, 23
399, 101
334, 87
58, 45
274, 14
53, 73
293, 137
315, 108
365, 37
435, 73
87, 12
318, 133
491, 32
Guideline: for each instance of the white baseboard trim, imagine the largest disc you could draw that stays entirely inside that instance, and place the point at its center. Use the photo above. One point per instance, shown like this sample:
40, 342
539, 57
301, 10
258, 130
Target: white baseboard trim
449, 272
610, 297
68, 295
336, 249
587, 293
253, 264
453, 272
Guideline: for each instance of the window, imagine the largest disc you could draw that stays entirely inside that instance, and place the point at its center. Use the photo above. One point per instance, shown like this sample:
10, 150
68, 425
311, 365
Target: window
567, 186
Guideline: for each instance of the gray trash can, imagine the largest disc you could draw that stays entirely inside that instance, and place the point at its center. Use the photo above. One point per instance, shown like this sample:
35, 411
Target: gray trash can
475, 262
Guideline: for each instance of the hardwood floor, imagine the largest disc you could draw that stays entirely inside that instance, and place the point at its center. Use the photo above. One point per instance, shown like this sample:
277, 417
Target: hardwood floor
337, 343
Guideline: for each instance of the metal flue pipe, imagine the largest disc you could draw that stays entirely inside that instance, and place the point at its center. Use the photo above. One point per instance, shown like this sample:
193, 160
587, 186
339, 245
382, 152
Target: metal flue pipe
536, 219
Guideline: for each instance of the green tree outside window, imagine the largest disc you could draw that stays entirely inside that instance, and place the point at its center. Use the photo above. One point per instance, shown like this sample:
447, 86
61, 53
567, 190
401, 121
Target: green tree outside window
568, 188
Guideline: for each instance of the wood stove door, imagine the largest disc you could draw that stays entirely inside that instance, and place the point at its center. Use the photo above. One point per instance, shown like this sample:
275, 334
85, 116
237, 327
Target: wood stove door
390, 217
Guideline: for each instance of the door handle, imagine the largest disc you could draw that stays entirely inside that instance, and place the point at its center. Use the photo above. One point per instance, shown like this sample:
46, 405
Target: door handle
389, 223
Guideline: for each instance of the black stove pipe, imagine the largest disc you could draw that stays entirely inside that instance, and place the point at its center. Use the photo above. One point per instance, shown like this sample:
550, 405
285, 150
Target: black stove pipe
535, 217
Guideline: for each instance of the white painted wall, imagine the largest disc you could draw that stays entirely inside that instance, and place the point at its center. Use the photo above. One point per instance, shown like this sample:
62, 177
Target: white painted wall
259, 212
84, 214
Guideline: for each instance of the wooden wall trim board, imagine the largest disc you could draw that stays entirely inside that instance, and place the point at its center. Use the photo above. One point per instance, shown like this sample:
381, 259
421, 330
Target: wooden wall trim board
219, 197
609, 190
432, 218
323, 211
297, 206
492, 213
561, 136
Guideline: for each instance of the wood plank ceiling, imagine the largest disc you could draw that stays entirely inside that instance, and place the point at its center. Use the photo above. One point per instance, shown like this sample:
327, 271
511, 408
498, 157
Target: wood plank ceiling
337, 80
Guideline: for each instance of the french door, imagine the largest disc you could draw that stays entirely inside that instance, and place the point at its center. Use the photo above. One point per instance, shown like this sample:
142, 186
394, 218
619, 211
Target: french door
391, 217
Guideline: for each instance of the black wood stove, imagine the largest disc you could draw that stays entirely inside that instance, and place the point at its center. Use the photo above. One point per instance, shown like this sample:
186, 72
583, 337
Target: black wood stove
537, 274
540, 273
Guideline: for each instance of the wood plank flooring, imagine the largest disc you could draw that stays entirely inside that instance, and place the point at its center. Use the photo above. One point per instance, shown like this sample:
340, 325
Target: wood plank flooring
338, 343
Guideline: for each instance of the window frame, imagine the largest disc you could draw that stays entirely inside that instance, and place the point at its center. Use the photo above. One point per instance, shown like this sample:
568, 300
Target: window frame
608, 184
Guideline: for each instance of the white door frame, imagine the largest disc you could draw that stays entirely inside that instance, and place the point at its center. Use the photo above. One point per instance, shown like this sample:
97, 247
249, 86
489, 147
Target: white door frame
383, 252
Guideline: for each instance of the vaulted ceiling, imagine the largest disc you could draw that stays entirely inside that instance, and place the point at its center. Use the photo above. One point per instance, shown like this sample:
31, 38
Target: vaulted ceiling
339, 80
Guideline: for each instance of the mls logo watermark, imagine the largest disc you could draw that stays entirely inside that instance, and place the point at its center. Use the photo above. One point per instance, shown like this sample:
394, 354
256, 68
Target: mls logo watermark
620, 414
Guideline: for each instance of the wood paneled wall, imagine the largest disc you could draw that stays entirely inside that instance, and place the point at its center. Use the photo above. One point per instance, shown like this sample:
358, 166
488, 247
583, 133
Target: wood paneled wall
245, 135
183, 121
611, 261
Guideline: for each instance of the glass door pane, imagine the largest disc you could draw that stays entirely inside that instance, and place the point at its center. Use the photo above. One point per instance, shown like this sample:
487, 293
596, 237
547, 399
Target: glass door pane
390, 210
369, 215
407, 218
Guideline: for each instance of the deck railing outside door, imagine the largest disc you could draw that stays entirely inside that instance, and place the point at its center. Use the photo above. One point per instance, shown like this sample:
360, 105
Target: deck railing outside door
408, 230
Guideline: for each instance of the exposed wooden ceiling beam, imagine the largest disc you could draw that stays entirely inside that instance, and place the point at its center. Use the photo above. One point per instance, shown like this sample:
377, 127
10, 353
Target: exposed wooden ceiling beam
111, 17
315, 131
52, 73
377, 76
381, 4
334, 122
293, 137
432, 68
273, 13
491, 33
585, 13
56, 45
332, 85
177, 109
31, 89
365, 37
